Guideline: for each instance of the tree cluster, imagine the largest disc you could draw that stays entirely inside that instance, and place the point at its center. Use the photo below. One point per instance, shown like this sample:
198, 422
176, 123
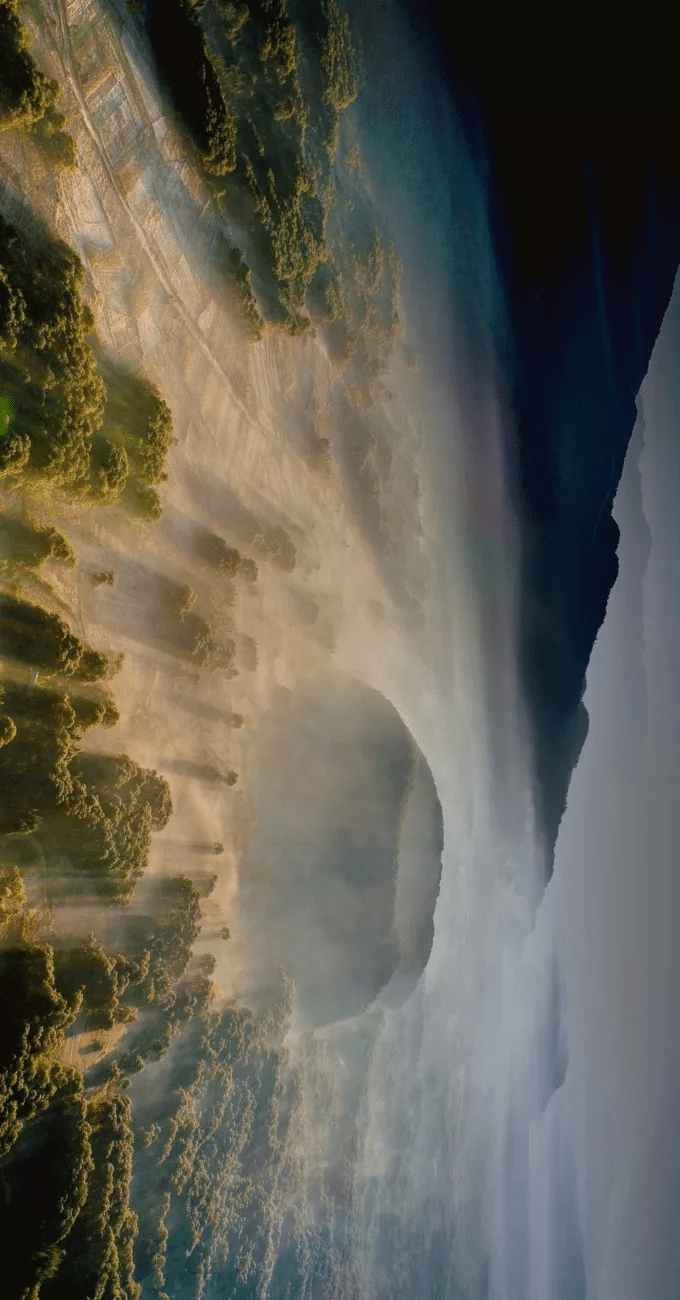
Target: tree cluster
26, 94
46, 364
33, 1015
97, 1254
94, 812
70, 428
29, 545
236, 73
226, 559
183, 59
42, 640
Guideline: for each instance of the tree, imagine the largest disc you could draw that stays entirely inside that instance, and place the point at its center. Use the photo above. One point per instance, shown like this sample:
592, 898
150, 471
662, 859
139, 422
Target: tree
26, 94
98, 1257
248, 569
97, 810
94, 711
144, 501
110, 470
33, 636
157, 440
339, 58
94, 665
217, 553
31, 544
46, 1181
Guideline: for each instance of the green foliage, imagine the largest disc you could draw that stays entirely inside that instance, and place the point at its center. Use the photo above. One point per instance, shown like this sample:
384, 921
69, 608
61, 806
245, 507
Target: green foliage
215, 551
30, 544
94, 666
155, 441
100, 981
57, 145
248, 569
118, 805
98, 1253
138, 435
219, 149
324, 295
46, 365
26, 94
297, 241
67, 1229
279, 43
94, 711
58, 548
33, 1015
211, 1172
69, 427
46, 1179
185, 63
226, 559
339, 58
239, 276
110, 469
29, 634
159, 940
14, 455
236, 73
144, 501
96, 810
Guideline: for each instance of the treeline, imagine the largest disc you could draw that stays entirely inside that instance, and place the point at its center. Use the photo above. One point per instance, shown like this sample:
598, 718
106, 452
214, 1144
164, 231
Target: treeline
26, 93
236, 73
92, 815
28, 97
95, 811
136, 423
261, 87
42, 640
214, 1159
112, 1185
25, 544
70, 429
113, 1195
65, 1160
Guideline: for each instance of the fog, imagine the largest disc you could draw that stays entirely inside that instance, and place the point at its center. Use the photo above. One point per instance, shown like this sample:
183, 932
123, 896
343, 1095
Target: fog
617, 881
477, 1078
576, 1057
